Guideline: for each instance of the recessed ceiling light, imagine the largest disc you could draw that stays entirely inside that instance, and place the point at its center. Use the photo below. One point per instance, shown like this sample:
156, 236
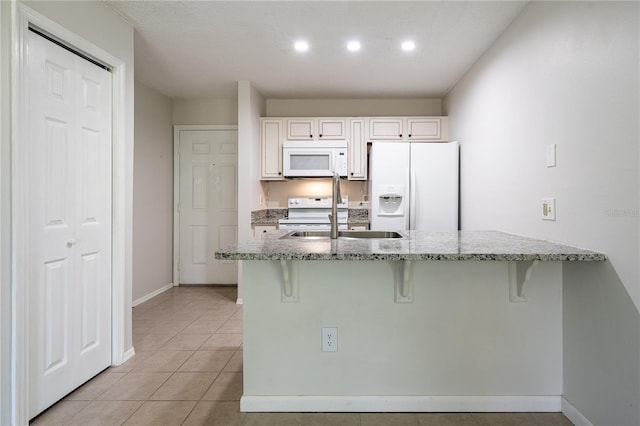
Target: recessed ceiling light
353, 45
408, 45
301, 46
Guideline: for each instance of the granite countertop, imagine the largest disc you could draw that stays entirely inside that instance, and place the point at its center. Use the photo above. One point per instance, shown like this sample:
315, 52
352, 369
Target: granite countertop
418, 245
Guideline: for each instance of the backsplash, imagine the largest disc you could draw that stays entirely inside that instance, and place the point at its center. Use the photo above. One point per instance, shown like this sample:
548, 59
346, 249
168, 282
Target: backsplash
270, 216
267, 216
277, 193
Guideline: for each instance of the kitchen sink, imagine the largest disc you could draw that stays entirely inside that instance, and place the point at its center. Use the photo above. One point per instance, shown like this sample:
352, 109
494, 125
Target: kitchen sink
343, 235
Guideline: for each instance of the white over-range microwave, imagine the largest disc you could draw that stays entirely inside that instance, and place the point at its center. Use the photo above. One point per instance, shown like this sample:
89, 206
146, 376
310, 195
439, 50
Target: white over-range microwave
314, 158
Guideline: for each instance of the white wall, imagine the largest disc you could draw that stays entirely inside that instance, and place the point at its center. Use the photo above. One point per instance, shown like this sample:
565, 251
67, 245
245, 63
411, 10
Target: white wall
351, 107
459, 337
5, 206
152, 193
205, 111
566, 73
251, 106
257, 107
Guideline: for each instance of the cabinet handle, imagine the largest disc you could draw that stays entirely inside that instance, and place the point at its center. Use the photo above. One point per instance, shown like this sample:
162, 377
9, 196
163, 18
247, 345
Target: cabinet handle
320, 135
279, 173
351, 173
310, 136
409, 135
401, 135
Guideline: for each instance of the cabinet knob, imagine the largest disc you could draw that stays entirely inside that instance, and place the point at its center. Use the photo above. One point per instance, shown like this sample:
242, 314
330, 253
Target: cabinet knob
401, 135
351, 173
409, 135
310, 136
279, 173
320, 135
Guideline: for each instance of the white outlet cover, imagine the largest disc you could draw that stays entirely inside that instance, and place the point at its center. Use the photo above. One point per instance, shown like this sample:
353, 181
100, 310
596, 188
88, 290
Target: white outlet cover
548, 209
329, 339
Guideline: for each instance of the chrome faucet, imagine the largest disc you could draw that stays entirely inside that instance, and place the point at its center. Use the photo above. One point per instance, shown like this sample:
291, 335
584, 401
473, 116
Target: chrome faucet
336, 198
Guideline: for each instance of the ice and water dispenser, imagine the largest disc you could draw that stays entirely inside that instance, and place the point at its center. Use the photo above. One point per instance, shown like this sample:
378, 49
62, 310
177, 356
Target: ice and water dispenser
389, 208
391, 200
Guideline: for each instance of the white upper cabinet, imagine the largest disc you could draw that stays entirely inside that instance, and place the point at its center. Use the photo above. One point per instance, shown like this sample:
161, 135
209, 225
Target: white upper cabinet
357, 150
357, 131
332, 128
409, 128
301, 129
389, 128
271, 137
316, 128
432, 128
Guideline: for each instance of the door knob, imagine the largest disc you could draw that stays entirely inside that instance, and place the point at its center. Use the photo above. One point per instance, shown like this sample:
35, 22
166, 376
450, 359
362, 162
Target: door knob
71, 242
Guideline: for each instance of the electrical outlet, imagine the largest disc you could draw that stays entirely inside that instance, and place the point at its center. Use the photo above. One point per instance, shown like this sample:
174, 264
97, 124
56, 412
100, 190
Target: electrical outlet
329, 339
548, 209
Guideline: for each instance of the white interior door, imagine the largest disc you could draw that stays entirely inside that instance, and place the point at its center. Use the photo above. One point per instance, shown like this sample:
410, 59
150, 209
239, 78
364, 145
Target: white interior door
208, 205
69, 221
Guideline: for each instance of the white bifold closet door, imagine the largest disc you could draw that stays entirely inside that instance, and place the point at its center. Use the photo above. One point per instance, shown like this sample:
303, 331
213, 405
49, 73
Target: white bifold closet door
69, 221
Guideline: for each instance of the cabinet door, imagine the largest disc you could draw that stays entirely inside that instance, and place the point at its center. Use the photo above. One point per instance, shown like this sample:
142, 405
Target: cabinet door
331, 128
271, 149
385, 128
357, 151
300, 128
424, 128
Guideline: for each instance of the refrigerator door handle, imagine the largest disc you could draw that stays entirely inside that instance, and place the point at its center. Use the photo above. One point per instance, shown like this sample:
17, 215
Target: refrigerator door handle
412, 201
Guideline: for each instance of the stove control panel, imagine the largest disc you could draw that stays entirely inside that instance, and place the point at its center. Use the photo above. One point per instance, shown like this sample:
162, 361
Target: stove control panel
315, 202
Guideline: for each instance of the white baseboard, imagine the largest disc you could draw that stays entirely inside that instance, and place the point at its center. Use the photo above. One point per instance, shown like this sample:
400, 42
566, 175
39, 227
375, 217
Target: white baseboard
574, 415
419, 404
127, 355
151, 295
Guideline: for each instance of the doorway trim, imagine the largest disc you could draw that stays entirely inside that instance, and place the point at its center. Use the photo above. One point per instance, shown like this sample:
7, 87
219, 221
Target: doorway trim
24, 16
176, 186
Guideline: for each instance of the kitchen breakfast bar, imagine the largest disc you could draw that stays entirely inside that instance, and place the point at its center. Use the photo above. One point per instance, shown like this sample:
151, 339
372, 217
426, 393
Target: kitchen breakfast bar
430, 321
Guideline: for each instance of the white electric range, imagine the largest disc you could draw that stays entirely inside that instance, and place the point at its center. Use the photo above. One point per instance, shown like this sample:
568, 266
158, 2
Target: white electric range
312, 213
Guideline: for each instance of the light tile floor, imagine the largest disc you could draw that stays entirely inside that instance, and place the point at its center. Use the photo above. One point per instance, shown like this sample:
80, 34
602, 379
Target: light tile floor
188, 371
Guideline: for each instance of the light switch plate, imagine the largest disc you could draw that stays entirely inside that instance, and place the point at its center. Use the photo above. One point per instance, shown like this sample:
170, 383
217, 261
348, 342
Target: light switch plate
548, 209
551, 155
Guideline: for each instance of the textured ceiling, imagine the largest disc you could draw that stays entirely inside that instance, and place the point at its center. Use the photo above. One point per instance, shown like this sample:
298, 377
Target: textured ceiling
198, 49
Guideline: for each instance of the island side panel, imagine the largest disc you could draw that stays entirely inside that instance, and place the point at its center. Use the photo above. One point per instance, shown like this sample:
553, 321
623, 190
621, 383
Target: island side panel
460, 336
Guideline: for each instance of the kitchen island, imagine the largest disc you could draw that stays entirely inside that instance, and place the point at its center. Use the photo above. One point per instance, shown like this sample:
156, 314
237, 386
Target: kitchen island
449, 321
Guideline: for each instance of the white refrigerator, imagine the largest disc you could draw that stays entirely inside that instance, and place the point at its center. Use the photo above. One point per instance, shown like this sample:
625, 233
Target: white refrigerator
414, 185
